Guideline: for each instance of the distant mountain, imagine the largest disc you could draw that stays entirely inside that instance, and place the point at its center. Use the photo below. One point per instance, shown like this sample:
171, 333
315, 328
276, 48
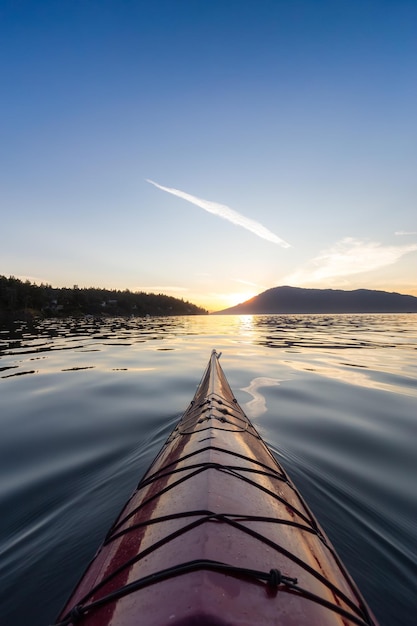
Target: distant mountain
297, 300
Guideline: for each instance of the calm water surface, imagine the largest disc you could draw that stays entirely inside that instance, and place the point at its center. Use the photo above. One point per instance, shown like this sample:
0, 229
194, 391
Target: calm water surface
86, 404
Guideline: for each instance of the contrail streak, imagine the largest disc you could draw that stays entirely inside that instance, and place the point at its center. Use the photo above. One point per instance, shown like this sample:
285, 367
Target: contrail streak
221, 210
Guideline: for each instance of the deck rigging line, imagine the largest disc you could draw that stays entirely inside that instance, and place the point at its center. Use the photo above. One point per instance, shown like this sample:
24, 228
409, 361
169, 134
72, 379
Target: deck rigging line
274, 579
225, 416
359, 617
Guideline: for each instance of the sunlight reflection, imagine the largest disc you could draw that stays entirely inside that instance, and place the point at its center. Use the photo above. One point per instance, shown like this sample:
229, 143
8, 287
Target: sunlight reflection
349, 375
246, 326
257, 406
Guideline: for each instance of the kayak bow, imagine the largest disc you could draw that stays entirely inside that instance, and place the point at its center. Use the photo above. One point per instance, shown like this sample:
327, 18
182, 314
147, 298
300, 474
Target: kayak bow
216, 534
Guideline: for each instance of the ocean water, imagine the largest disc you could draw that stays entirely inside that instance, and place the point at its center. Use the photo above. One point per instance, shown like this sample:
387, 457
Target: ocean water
85, 406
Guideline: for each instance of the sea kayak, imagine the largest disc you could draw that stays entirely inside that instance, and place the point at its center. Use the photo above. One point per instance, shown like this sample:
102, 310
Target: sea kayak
216, 534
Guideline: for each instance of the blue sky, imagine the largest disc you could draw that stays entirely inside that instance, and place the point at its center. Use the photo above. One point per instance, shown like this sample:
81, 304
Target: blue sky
293, 118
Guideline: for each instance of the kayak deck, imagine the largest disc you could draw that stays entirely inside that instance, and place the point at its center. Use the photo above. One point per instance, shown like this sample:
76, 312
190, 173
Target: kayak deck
216, 533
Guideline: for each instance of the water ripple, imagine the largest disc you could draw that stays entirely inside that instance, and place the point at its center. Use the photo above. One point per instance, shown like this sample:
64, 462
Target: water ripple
334, 396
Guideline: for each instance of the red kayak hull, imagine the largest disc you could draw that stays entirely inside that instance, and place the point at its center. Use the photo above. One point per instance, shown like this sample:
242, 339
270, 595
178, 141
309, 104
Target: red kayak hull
216, 533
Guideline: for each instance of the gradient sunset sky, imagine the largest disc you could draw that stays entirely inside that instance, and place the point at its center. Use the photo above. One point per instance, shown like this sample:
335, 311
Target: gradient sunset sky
209, 149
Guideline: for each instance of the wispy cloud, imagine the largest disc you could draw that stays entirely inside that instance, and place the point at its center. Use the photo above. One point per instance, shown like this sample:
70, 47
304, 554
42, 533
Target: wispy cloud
221, 210
406, 232
247, 282
38, 280
347, 257
165, 288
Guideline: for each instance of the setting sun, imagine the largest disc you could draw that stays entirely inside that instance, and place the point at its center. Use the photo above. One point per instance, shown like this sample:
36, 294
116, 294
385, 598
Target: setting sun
237, 298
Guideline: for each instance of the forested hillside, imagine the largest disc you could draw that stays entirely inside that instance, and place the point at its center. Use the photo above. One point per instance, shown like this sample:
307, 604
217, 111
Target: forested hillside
19, 297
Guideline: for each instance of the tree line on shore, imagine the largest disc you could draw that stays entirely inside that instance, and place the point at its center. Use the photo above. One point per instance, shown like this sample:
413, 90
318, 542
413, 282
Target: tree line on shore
23, 298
